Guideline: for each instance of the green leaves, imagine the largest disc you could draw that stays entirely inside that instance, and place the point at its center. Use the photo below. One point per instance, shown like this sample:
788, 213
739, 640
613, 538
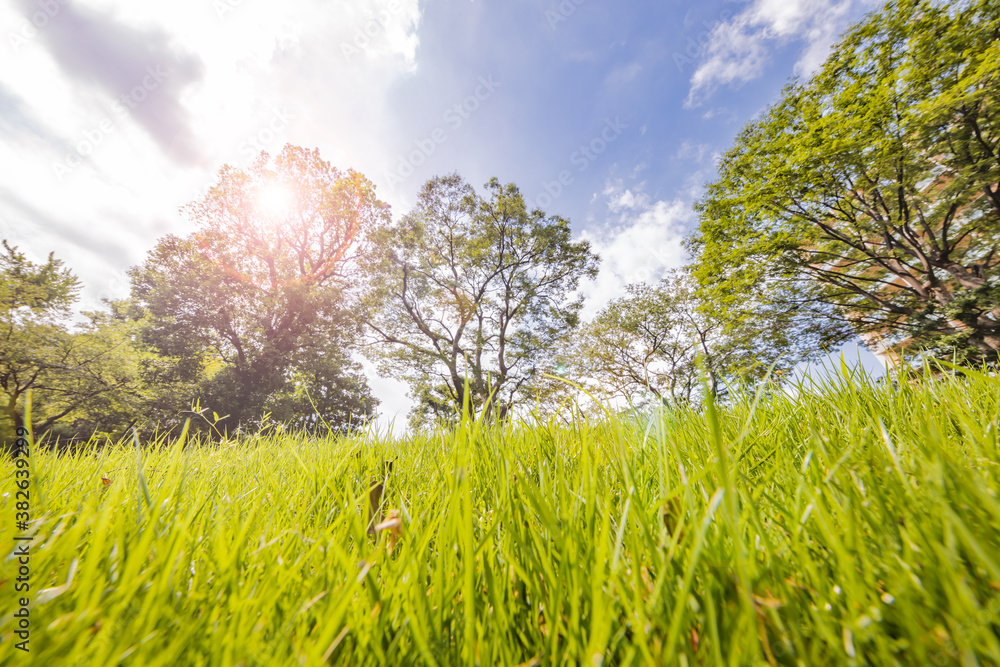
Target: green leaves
869, 193
81, 377
258, 309
662, 339
46, 289
472, 290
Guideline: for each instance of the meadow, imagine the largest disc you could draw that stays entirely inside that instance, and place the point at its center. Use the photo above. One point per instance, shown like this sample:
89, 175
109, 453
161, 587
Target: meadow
849, 524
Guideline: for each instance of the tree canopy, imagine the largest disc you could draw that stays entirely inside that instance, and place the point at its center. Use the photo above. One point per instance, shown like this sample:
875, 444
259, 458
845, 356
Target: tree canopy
662, 340
256, 306
870, 194
473, 290
73, 372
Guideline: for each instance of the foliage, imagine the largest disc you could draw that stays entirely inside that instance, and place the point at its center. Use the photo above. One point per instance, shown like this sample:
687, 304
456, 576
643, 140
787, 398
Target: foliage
475, 289
854, 524
661, 339
256, 306
74, 373
871, 193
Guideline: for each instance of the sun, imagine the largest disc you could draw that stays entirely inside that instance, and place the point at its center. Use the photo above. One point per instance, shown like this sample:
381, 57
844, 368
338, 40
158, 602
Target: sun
275, 200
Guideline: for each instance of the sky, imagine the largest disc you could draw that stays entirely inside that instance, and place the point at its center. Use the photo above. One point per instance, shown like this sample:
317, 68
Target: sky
115, 114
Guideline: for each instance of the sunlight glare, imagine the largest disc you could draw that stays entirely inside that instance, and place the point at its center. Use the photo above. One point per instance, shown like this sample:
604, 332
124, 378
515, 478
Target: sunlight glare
275, 200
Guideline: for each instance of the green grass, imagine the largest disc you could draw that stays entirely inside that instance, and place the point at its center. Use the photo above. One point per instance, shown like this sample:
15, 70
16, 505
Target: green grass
853, 525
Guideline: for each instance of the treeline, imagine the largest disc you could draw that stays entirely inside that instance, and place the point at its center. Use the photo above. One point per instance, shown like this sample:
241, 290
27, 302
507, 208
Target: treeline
866, 202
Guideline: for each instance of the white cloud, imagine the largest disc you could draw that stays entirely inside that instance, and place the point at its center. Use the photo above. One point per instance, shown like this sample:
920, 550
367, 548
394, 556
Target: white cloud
98, 182
620, 197
245, 75
694, 152
641, 246
738, 50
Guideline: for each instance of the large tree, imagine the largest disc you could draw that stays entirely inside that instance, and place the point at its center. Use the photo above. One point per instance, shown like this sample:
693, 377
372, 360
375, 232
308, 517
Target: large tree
472, 290
257, 305
871, 193
661, 340
73, 372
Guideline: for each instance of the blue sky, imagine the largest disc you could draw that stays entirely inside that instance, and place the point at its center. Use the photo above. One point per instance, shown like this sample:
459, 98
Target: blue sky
114, 114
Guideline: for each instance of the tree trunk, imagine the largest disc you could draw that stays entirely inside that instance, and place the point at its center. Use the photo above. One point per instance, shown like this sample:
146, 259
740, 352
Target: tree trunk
18, 421
14, 414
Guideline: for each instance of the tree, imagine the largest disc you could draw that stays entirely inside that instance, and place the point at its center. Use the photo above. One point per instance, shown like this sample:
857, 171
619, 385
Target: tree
256, 306
662, 339
871, 193
321, 396
72, 372
473, 290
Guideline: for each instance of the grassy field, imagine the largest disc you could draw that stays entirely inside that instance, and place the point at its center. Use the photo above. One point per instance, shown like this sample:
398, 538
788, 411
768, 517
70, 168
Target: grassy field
854, 525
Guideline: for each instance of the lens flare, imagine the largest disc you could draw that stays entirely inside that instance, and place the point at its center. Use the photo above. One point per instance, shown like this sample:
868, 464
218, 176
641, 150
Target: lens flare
275, 200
